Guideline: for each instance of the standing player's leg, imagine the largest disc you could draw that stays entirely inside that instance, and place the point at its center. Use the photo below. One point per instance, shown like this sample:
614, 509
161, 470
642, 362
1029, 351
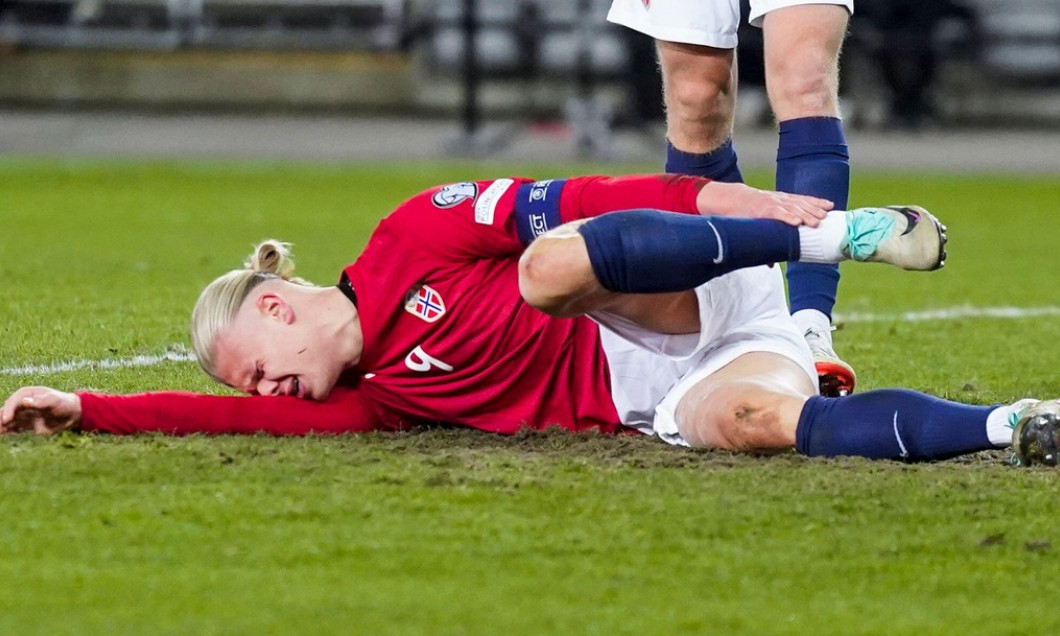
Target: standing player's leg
696, 42
802, 45
699, 92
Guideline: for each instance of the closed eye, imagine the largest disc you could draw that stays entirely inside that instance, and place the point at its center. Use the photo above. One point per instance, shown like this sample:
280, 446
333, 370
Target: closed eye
255, 380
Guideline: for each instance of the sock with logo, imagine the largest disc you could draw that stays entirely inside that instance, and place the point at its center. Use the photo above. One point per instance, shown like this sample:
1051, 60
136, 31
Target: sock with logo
891, 424
646, 251
719, 164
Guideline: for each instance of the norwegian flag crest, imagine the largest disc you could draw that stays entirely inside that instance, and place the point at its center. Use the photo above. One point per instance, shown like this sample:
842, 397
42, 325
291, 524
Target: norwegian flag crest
425, 303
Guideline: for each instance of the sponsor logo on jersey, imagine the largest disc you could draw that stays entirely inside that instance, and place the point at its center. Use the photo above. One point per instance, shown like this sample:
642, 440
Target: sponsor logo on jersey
455, 194
539, 191
538, 224
486, 205
425, 303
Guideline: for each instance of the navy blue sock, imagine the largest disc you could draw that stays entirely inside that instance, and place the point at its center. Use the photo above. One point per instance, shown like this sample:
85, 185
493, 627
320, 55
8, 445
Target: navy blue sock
891, 424
719, 164
647, 251
812, 158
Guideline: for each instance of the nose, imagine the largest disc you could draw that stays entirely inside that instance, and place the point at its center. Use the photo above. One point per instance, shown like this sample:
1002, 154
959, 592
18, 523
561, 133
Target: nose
268, 387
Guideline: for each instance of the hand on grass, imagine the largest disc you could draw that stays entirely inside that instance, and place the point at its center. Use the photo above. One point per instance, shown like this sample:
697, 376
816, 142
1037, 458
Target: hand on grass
739, 200
39, 409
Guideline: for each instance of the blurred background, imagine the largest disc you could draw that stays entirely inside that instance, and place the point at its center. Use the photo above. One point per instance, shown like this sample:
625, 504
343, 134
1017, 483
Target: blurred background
546, 79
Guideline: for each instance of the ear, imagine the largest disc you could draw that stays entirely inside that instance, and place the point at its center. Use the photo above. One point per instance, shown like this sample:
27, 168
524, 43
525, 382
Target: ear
273, 306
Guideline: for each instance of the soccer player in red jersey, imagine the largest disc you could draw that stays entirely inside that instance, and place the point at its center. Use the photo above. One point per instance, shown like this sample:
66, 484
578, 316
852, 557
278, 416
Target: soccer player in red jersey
575, 303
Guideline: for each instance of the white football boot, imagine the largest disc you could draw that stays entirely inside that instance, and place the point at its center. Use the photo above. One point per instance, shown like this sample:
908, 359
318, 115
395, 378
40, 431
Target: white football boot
907, 236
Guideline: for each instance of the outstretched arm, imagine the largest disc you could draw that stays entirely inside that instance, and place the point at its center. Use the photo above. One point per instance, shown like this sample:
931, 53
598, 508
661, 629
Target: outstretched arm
46, 411
585, 197
546, 205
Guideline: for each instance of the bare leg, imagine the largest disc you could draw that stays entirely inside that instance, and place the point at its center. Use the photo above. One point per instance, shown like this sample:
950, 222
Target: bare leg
802, 45
699, 90
751, 404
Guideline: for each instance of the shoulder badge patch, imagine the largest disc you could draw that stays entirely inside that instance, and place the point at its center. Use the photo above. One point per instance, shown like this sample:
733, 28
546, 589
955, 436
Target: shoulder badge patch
425, 303
455, 194
486, 206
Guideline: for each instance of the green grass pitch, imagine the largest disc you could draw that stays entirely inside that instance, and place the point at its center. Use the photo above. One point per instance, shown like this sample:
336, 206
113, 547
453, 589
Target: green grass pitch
458, 532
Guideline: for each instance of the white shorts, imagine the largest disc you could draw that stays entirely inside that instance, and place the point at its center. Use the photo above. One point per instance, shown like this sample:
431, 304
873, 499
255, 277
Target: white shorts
704, 22
742, 312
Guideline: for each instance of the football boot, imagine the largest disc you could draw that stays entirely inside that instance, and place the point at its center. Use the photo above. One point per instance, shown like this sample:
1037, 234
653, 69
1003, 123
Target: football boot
908, 237
834, 377
1036, 433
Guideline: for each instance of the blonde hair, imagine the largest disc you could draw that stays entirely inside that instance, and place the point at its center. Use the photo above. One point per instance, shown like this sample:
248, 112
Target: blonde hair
220, 301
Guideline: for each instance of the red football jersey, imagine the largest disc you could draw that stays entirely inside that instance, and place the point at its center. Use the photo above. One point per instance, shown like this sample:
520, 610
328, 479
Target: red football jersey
447, 336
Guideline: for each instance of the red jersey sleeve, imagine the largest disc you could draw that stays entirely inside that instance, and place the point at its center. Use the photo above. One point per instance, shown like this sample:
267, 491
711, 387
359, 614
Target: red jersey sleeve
497, 219
586, 197
544, 205
179, 413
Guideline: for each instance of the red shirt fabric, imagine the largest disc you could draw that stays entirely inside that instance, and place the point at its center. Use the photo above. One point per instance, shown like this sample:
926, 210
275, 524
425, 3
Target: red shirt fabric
447, 337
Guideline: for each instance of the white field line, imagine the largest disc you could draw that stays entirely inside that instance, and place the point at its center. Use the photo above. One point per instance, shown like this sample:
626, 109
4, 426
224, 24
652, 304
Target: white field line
106, 363
951, 313
178, 354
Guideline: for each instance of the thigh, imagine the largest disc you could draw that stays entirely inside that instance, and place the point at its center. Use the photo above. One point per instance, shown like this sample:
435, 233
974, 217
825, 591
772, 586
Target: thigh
802, 45
751, 404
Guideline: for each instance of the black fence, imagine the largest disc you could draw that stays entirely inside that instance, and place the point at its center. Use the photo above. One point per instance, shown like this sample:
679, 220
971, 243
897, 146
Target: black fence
172, 24
994, 45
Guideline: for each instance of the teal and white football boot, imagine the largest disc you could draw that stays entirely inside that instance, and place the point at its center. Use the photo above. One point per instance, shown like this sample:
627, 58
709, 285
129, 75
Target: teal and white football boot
905, 236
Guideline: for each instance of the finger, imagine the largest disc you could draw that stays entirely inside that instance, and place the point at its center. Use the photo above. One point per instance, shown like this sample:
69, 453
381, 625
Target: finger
35, 408
22, 420
788, 213
804, 209
787, 216
804, 201
815, 210
10, 408
44, 400
824, 204
807, 219
22, 410
811, 216
7, 412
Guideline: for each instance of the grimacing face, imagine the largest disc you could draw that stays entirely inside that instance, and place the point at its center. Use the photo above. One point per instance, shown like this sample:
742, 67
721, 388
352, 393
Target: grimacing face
272, 349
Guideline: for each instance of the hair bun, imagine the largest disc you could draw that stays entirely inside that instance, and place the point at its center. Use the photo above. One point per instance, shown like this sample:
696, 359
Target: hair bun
272, 257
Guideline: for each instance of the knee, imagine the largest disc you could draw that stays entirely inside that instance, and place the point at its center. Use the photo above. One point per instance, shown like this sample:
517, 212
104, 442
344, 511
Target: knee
700, 99
805, 85
553, 275
701, 107
739, 416
747, 422
537, 281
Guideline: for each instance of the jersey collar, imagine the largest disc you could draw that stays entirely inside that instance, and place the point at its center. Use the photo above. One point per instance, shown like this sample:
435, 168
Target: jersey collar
346, 287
